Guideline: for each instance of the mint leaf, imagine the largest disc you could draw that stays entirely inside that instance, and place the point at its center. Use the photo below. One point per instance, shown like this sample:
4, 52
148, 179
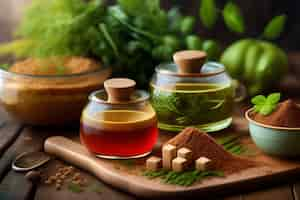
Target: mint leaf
275, 27
267, 109
133, 7
233, 18
257, 108
208, 13
258, 100
266, 105
273, 98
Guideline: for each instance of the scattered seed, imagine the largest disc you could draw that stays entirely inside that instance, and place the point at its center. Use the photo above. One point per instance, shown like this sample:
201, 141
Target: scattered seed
75, 188
58, 174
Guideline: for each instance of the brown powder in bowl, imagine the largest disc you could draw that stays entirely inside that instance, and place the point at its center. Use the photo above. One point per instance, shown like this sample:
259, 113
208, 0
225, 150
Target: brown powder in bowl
287, 114
203, 145
54, 99
55, 66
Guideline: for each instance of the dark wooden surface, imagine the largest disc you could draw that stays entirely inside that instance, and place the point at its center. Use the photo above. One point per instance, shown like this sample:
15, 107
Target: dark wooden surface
16, 138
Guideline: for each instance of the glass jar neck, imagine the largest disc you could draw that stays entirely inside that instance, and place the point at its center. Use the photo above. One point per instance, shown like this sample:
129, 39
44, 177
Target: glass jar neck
209, 69
101, 97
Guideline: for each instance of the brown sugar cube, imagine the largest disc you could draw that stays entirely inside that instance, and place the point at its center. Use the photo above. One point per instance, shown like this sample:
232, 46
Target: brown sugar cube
203, 164
58, 181
168, 154
179, 164
48, 181
185, 153
153, 163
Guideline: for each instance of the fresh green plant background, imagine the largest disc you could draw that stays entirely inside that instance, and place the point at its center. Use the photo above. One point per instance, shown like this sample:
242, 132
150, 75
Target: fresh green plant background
133, 36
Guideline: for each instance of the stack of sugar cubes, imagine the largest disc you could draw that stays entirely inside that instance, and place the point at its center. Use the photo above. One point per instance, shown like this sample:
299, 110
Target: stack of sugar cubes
177, 160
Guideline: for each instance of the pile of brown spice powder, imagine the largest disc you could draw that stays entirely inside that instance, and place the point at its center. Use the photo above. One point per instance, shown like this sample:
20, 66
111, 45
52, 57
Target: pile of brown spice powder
71, 65
203, 145
287, 114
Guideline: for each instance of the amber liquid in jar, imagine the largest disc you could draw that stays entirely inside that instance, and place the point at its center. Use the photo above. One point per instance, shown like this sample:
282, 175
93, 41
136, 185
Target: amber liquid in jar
119, 133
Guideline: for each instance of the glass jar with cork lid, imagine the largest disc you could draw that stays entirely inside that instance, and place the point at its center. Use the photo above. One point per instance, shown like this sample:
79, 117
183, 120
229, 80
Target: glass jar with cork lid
119, 122
190, 92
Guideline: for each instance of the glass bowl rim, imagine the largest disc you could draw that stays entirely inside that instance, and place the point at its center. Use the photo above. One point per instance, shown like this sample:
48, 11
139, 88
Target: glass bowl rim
7, 73
280, 128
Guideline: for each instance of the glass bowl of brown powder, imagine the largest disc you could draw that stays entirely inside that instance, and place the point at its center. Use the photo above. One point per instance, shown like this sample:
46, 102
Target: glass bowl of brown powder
279, 132
52, 91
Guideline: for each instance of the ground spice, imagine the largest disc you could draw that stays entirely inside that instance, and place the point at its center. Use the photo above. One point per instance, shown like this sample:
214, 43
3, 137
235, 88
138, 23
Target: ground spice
287, 114
203, 145
62, 174
55, 66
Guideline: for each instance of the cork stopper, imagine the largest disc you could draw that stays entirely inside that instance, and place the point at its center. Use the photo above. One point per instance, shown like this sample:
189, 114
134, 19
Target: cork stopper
189, 61
119, 89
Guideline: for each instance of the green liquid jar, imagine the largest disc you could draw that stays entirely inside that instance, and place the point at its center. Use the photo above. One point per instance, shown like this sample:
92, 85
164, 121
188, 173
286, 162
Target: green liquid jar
202, 97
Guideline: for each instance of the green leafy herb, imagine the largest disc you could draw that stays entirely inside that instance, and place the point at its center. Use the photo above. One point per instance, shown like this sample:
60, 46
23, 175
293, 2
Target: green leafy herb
203, 108
156, 174
134, 7
275, 27
233, 18
186, 178
60, 70
60, 27
133, 36
96, 188
19, 48
5, 66
212, 48
208, 13
128, 163
75, 188
232, 144
187, 24
194, 42
265, 105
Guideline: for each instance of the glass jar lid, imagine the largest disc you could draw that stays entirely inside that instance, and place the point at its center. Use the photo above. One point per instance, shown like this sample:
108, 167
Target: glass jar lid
190, 63
119, 91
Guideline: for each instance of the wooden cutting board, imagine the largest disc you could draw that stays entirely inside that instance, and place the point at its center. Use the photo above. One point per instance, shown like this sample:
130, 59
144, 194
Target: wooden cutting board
128, 177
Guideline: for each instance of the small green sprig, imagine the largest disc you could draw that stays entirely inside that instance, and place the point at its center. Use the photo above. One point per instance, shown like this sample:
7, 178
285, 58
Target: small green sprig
232, 144
75, 188
60, 70
186, 178
4, 66
266, 105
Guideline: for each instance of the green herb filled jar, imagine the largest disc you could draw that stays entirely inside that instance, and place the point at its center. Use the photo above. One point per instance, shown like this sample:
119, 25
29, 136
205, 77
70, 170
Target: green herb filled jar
190, 92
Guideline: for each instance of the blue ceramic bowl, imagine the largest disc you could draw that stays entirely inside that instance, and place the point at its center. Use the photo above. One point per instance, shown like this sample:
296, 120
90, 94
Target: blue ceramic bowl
278, 141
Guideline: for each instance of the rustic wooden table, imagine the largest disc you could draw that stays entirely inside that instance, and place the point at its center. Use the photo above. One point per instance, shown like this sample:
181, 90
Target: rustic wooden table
16, 138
